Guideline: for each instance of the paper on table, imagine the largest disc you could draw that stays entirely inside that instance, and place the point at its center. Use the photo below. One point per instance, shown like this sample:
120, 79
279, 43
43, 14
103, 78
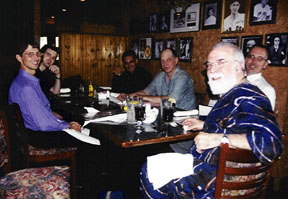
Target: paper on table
164, 167
151, 115
115, 100
204, 110
65, 90
114, 94
83, 136
91, 111
185, 113
119, 118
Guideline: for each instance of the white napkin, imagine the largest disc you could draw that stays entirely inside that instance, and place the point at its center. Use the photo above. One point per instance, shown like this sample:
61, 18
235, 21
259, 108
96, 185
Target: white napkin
164, 167
114, 94
102, 95
151, 115
204, 110
91, 111
83, 136
65, 90
115, 100
185, 113
105, 87
119, 118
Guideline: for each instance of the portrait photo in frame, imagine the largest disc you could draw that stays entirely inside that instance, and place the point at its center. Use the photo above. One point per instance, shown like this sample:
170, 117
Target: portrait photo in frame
233, 16
277, 48
164, 22
185, 49
172, 43
158, 47
135, 46
153, 23
262, 12
185, 20
233, 40
211, 15
145, 48
247, 42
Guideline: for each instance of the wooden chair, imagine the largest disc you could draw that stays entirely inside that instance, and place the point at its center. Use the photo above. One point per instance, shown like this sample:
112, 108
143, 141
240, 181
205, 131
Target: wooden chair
240, 175
36, 155
31, 182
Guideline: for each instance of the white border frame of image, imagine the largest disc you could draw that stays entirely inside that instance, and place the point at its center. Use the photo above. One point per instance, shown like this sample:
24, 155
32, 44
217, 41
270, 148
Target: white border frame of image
195, 7
148, 43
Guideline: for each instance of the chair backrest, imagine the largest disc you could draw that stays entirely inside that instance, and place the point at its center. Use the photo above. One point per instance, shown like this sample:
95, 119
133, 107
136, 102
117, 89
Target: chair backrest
4, 144
240, 174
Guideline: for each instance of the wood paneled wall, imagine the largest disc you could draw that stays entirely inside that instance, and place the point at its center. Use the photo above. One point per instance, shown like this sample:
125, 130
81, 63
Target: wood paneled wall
91, 56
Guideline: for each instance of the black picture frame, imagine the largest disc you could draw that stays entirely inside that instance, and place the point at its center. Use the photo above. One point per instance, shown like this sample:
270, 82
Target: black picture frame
248, 41
158, 46
153, 22
233, 40
212, 22
277, 57
270, 9
185, 46
145, 48
172, 43
238, 26
164, 22
185, 20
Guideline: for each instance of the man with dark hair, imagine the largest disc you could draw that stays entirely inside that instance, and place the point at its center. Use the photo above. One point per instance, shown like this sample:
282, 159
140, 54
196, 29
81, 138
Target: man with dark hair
256, 61
48, 73
242, 117
172, 82
25, 91
134, 78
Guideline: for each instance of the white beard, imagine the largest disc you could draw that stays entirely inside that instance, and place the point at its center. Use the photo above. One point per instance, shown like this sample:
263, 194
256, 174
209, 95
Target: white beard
223, 85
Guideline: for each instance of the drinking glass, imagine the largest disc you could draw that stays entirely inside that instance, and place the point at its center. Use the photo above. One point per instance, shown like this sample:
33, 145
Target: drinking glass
140, 116
167, 112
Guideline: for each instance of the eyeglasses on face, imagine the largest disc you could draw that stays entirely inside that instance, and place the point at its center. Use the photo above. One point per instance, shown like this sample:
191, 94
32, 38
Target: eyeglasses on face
31, 54
258, 59
220, 63
130, 62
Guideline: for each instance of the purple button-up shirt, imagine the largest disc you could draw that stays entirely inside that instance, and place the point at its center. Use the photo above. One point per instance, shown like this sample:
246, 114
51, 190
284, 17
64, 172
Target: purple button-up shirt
25, 91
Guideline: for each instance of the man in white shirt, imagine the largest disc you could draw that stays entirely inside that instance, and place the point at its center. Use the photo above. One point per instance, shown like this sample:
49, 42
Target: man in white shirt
256, 61
235, 21
262, 11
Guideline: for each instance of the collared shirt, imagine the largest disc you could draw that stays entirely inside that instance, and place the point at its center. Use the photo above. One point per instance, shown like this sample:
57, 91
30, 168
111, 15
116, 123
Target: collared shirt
180, 87
25, 90
259, 81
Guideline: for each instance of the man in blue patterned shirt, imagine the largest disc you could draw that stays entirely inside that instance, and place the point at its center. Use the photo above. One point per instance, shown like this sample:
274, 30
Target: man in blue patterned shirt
243, 114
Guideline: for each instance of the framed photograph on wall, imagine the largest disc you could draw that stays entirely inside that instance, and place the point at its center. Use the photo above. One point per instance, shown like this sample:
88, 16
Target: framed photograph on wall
164, 22
145, 48
135, 46
185, 20
262, 12
153, 23
211, 15
248, 41
172, 43
277, 48
185, 49
233, 16
158, 47
233, 40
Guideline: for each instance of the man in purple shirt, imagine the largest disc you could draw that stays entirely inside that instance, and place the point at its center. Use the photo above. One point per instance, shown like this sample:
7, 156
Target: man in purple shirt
25, 91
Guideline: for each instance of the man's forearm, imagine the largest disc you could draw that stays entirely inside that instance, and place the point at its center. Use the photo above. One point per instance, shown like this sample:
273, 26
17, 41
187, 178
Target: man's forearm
56, 88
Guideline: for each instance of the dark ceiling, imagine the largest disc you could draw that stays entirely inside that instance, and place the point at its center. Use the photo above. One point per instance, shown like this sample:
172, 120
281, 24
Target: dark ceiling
91, 11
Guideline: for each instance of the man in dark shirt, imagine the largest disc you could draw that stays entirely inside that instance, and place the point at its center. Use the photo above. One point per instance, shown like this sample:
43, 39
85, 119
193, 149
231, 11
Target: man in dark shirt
48, 73
133, 79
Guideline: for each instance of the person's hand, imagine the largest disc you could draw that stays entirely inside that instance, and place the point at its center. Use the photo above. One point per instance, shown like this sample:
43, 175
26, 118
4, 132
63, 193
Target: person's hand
205, 141
75, 125
193, 124
121, 97
55, 69
118, 70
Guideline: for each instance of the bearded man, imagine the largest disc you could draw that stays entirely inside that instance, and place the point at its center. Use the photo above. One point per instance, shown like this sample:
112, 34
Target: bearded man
243, 116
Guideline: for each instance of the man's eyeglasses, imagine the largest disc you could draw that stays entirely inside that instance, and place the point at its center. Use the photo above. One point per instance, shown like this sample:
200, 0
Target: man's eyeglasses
258, 59
31, 54
130, 62
220, 63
